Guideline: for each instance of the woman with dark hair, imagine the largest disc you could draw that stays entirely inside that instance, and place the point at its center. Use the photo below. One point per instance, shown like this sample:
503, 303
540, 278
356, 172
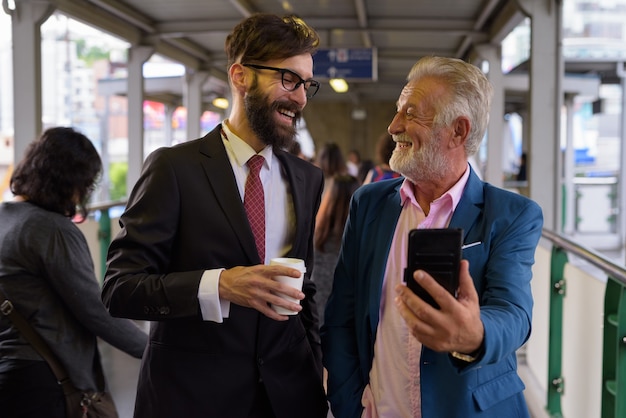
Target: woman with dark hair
384, 150
46, 271
329, 224
330, 159
332, 162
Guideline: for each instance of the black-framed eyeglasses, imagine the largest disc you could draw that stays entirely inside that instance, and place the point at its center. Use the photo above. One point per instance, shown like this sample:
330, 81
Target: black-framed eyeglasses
291, 81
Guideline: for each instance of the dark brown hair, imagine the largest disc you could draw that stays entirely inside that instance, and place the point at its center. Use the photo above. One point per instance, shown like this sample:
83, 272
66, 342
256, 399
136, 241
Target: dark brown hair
58, 172
330, 159
335, 213
384, 148
265, 37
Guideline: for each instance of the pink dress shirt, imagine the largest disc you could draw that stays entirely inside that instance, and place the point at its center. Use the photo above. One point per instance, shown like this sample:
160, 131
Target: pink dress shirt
394, 387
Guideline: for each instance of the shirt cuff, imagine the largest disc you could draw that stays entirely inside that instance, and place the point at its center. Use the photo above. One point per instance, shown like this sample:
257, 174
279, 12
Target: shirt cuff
211, 306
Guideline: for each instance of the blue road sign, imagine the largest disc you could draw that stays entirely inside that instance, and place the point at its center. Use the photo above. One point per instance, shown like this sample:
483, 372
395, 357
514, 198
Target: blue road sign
348, 63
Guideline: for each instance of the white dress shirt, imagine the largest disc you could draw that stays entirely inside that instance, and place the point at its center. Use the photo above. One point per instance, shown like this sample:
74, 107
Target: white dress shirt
280, 220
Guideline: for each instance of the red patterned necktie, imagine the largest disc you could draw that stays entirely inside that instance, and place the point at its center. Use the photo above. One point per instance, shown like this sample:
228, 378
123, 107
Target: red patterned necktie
254, 202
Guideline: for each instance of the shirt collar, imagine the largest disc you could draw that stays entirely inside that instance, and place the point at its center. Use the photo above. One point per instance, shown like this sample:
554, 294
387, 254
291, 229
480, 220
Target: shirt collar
455, 192
241, 150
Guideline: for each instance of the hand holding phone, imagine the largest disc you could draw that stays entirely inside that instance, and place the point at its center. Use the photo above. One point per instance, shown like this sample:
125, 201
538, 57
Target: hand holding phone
437, 252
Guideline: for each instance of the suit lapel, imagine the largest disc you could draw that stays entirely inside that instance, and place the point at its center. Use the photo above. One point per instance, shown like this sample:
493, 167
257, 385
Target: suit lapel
295, 178
222, 181
470, 206
383, 226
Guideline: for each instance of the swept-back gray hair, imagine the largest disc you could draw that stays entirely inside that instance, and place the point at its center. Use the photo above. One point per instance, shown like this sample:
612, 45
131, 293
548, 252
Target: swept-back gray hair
470, 94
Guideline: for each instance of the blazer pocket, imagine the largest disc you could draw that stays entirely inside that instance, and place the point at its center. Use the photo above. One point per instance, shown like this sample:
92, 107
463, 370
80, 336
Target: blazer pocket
497, 390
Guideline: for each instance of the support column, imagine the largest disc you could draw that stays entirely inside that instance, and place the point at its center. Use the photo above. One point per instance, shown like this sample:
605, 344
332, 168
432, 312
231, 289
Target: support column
545, 100
493, 172
621, 219
105, 183
569, 198
169, 131
26, 21
137, 55
192, 99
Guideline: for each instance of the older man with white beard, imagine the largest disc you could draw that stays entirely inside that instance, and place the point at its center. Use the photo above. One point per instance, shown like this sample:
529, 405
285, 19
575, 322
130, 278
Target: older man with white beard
387, 351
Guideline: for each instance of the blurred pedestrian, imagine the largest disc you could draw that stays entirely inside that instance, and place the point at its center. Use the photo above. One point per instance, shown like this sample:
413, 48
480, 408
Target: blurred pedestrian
384, 149
329, 225
47, 273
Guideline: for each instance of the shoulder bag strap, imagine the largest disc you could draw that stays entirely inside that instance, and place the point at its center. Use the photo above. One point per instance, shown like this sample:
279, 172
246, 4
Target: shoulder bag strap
35, 340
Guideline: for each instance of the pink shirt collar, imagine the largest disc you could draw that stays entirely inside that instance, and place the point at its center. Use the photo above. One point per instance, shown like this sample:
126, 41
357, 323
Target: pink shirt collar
455, 192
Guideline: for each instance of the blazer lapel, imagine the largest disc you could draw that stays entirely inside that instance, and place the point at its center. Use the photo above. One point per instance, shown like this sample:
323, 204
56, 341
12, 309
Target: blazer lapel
222, 181
382, 226
295, 178
470, 206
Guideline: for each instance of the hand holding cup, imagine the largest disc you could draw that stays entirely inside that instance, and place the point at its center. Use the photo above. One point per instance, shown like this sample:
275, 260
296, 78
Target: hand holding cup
294, 282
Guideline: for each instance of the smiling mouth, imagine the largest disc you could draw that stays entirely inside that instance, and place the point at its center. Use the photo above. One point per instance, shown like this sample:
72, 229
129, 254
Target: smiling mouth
401, 144
287, 113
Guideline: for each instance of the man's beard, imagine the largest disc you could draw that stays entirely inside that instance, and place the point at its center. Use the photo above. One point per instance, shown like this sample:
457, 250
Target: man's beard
428, 163
261, 117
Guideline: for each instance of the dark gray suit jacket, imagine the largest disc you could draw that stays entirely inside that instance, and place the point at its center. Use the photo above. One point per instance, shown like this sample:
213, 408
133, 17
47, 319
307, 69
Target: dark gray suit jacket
183, 217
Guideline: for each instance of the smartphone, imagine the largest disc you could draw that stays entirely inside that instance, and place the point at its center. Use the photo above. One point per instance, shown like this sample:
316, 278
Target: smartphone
438, 252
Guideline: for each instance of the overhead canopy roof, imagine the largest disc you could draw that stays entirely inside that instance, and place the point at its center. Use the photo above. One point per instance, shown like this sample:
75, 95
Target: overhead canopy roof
192, 32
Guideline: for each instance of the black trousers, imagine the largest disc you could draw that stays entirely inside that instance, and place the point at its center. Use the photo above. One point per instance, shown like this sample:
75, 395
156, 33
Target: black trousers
28, 389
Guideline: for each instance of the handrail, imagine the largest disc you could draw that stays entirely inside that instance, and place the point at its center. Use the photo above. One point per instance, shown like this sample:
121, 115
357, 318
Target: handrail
106, 205
104, 228
612, 269
613, 402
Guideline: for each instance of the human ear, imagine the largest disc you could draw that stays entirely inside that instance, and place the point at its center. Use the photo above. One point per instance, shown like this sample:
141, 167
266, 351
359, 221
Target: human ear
237, 76
461, 128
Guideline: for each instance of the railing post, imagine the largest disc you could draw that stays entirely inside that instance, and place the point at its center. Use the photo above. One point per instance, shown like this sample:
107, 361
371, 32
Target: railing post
104, 236
614, 351
556, 385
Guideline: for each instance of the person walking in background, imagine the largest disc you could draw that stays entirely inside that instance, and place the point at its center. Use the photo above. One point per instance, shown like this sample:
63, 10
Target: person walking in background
364, 169
329, 225
382, 171
353, 162
330, 159
521, 173
192, 252
387, 351
296, 149
47, 273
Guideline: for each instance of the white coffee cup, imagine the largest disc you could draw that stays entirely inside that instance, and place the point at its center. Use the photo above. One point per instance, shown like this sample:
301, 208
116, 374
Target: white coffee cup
294, 282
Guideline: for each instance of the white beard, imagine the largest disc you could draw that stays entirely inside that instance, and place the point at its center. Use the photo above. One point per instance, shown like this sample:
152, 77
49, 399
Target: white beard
427, 163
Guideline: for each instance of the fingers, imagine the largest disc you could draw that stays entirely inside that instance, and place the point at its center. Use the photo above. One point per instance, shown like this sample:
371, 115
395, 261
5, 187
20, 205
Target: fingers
416, 313
454, 327
438, 292
255, 287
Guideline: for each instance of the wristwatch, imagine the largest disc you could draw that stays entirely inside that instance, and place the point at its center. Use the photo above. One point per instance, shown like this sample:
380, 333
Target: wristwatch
464, 357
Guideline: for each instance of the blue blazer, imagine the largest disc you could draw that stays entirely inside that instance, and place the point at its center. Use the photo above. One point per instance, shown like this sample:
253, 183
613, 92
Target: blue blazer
508, 227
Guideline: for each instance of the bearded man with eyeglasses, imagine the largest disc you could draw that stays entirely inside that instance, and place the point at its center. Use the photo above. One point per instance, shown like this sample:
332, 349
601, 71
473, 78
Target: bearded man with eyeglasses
191, 259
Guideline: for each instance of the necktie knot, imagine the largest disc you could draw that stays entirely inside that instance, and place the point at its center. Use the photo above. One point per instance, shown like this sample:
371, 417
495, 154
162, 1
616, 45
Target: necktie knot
255, 163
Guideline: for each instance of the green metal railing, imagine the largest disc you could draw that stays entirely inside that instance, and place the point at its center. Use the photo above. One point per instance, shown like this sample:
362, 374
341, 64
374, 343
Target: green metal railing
614, 339
104, 228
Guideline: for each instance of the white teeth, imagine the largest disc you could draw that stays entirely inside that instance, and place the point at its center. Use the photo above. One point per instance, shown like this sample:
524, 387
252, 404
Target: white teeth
288, 113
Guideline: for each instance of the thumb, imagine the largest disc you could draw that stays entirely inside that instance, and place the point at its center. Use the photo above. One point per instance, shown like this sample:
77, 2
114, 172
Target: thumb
467, 290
